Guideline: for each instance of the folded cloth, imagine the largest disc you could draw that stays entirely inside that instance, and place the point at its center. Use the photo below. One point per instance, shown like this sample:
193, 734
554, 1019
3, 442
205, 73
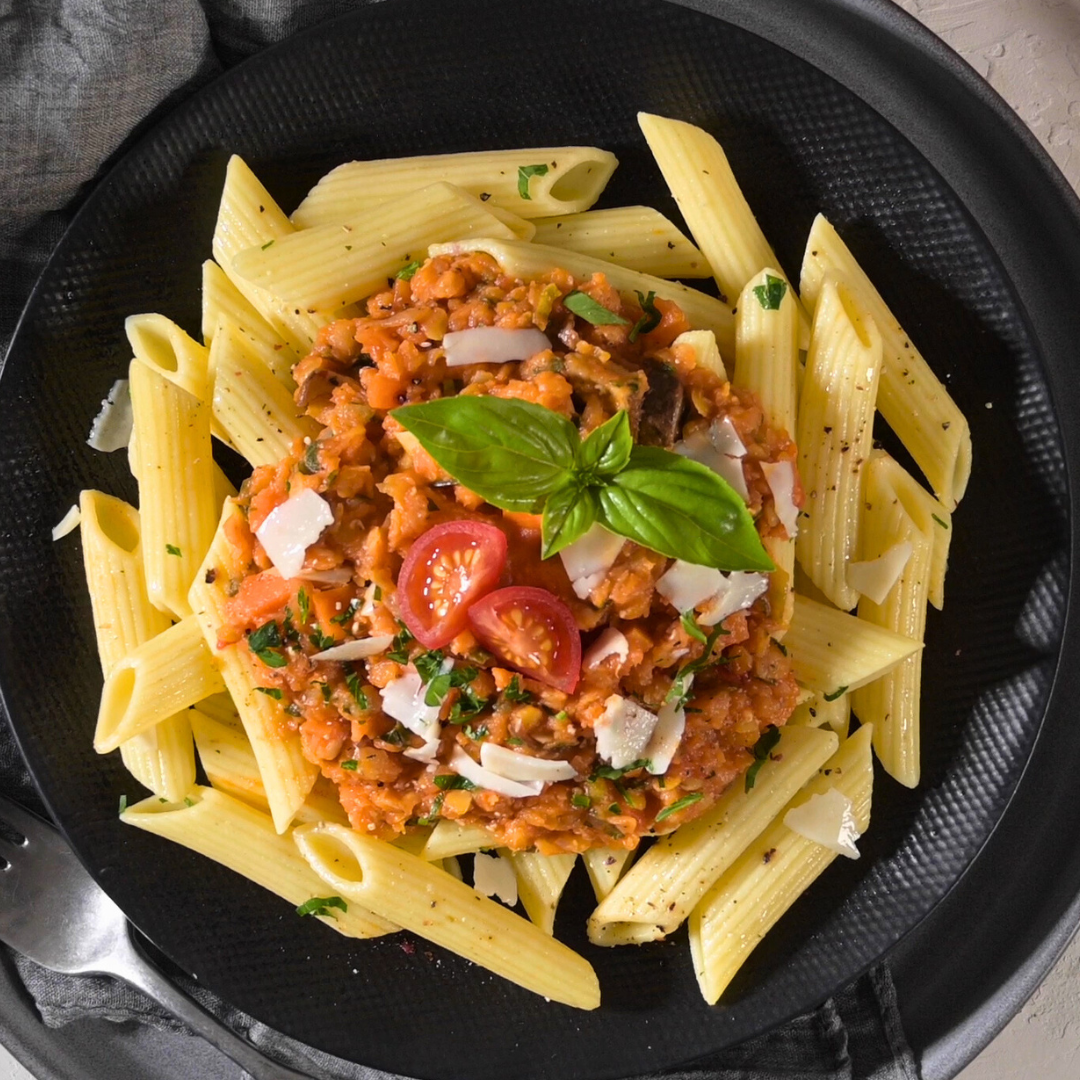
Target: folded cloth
80, 80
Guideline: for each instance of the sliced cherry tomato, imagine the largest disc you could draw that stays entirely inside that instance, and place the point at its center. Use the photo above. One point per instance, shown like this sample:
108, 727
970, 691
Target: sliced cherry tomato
447, 569
532, 631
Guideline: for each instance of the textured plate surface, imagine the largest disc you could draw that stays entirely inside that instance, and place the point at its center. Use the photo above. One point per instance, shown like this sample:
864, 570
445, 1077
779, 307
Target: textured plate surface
417, 76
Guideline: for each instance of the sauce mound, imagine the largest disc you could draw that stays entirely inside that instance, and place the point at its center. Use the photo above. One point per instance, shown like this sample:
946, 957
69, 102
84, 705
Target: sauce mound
385, 491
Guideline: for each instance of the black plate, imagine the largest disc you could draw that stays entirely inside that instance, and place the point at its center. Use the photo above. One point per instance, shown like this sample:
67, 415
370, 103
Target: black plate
416, 75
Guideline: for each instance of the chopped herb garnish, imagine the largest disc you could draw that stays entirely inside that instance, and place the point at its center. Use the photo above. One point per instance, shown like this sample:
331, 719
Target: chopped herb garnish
584, 305
398, 736
289, 632
943, 524
513, 692
350, 764
305, 606
476, 734
526, 171
188, 801
352, 681
771, 294
376, 594
839, 692
266, 643
682, 804
123, 804
513, 740
267, 244
349, 613
406, 272
614, 808
309, 463
679, 694
270, 691
609, 772
440, 686
321, 905
582, 801
450, 782
780, 645
762, 749
433, 816
689, 624
468, 705
320, 640
172, 549
399, 647
429, 664
650, 320
326, 690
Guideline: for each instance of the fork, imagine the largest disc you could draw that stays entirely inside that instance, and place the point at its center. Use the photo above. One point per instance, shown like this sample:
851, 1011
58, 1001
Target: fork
52, 911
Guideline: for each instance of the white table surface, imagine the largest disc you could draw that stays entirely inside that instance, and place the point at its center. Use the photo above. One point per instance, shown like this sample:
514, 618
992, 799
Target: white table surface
1029, 50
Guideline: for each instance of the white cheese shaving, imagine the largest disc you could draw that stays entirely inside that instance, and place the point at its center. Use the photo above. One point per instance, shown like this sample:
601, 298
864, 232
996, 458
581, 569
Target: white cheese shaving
875, 578
685, 585
611, 642
112, 427
827, 820
340, 575
464, 765
623, 731
426, 753
589, 558
356, 650
741, 589
368, 606
514, 766
726, 439
666, 736
718, 448
494, 876
706, 351
67, 524
492, 345
403, 700
780, 476
291, 528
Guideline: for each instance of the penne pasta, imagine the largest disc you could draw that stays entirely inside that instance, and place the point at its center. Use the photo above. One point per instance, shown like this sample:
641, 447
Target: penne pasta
530, 182
540, 881
605, 866
431, 903
752, 895
450, 838
913, 400
241, 838
817, 712
160, 344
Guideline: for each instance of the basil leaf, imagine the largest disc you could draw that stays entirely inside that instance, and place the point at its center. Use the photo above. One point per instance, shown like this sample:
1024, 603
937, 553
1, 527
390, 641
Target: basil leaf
771, 294
681, 509
584, 305
524, 172
568, 515
650, 318
606, 450
511, 453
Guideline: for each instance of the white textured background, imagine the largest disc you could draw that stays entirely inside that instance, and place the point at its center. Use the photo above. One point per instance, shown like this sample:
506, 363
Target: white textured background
1029, 50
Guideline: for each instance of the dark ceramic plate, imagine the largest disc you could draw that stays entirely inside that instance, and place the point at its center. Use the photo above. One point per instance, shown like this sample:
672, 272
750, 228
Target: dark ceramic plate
963, 263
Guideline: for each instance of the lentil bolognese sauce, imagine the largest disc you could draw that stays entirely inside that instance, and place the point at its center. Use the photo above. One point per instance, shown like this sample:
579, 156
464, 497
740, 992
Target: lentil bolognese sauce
475, 646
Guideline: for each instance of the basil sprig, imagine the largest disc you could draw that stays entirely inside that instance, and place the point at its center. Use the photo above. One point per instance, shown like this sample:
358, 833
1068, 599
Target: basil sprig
522, 457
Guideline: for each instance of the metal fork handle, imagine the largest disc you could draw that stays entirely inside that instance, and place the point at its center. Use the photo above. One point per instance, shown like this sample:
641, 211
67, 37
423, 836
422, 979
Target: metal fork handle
137, 971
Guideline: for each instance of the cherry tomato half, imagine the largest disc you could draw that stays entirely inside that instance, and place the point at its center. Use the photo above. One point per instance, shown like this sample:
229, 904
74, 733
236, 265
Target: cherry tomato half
447, 569
532, 631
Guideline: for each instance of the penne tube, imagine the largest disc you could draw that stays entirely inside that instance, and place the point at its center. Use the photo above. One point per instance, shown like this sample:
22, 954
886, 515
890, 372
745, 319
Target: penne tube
773, 872
163, 676
241, 838
781, 594
450, 838
833, 652
429, 902
248, 217
767, 347
253, 407
540, 881
815, 711
223, 302
835, 434
532, 182
637, 237
531, 260
605, 866
161, 759
176, 484
666, 883
287, 775
160, 344
912, 399
333, 265
700, 179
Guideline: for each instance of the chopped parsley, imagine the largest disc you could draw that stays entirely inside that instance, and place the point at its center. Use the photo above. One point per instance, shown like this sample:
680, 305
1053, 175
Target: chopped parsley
582, 801
266, 245
839, 692
609, 772
322, 905
433, 816
476, 734
429, 664
172, 549
682, 804
450, 782
326, 690
943, 524
441, 685
309, 463
305, 606
468, 705
513, 692
584, 305
399, 647
270, 691
351, 764
689, 624
614, 808
524, 173
188, 801
650, 320
352, 681
771, 294
762, 749
679, 694
349, 613
406, 272
320, 640
265, 643
123, 804
398, 736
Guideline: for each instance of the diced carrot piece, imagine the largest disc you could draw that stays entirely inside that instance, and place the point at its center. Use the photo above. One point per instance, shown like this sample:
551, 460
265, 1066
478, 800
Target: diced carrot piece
260, 597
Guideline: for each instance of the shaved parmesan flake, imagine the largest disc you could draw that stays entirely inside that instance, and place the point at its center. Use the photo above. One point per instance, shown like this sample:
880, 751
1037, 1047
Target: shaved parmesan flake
492, 345
741, 589
686, 585
426, 753
780, 476
875, 579
827, 820
589, 558
718, 448
623, 731
494, 876
726, 439
291, 528
464, 765
340, 575
524, 767
611, 642
112, 427
368, 606
67, 524
706, 351
356, 650
403, 700
666, 736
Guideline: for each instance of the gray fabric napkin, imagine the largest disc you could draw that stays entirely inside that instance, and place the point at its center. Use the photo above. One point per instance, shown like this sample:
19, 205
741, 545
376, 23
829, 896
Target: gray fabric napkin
79, 79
